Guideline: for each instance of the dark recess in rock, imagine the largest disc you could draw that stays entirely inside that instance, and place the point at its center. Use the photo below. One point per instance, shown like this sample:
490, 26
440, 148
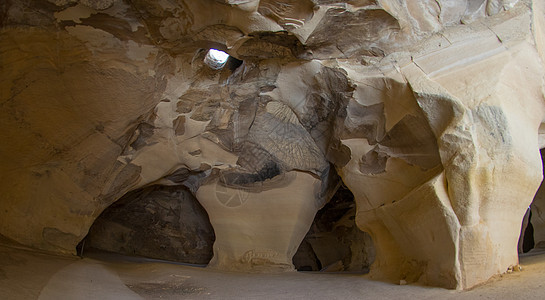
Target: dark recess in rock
268, 171
373, 162
162, 222
233, 63
273, 45
528, 242
144, 132
334, 243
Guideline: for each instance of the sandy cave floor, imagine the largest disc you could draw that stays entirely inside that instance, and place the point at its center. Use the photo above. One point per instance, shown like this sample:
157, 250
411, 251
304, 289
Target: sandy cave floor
30, 275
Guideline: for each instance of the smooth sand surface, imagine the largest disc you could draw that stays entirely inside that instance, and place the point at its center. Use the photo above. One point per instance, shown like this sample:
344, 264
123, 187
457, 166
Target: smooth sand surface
31, 275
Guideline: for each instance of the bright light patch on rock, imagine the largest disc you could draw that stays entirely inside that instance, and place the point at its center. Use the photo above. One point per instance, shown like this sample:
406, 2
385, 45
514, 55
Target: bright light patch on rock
216, 59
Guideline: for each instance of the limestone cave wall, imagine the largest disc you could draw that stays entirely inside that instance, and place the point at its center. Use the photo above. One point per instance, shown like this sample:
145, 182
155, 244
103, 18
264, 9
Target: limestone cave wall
430, 112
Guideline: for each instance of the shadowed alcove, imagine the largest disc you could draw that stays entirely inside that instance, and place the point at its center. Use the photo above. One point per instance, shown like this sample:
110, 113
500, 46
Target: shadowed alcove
162, 222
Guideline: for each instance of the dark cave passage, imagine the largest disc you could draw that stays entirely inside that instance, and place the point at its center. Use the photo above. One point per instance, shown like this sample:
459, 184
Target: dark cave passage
168, 223
528, 242
161, 222
334, 243
532, 234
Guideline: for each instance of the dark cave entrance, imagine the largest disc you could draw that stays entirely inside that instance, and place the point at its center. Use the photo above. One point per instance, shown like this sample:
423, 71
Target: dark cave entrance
168, 223
532, 235
334, 243
527, 242
160, 222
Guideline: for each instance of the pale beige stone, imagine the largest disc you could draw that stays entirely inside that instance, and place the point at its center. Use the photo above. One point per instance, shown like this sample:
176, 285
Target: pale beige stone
258, 231
430, 111
478, 124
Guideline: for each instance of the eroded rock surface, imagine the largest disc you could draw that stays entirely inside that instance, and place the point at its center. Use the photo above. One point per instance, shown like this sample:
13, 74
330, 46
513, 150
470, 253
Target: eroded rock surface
157, 222
429, 111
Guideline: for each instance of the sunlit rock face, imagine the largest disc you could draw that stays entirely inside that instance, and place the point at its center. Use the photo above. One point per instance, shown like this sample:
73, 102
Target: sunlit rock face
449, 185
428, 111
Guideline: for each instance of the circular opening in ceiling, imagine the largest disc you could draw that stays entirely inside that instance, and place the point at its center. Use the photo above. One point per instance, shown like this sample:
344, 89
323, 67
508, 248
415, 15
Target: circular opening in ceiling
216, 59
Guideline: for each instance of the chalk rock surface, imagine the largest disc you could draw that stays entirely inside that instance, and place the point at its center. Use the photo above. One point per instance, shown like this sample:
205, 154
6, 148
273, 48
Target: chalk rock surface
430, 112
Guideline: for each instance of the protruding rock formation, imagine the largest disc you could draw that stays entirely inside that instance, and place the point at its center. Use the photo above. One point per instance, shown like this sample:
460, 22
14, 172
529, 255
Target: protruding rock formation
451, 188
429, 111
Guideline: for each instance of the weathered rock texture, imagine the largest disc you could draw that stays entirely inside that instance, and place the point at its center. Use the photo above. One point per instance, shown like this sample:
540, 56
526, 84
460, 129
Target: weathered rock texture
157, 222
430, 112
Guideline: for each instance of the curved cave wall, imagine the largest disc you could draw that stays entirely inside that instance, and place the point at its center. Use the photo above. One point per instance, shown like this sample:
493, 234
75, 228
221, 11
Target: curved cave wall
167, 222
163, 222
429, 112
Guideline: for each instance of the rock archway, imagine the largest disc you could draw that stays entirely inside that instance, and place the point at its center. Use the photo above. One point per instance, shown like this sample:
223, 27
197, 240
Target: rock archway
159, 222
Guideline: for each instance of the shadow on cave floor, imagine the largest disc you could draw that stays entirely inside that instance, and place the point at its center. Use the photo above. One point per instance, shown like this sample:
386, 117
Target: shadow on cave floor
32, 275
535, 251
